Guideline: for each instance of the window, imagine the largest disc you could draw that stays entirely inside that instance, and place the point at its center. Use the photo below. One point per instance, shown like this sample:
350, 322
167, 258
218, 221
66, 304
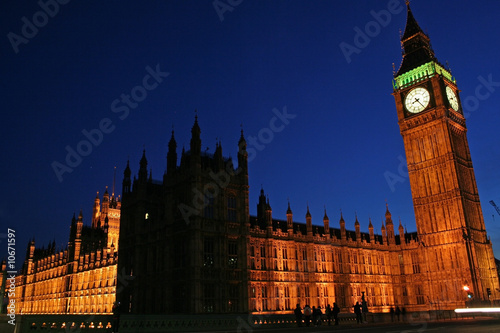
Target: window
209, 208
208, 297
401, 265
231, 208
285, 259
208, 252
232, 248
287, 298
264, 298
263, 263
232, 254
420, 294
415, 263
233, 298
277, 295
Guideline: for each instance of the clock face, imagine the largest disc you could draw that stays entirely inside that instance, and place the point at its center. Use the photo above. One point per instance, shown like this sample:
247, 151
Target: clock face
452, 98
417, 100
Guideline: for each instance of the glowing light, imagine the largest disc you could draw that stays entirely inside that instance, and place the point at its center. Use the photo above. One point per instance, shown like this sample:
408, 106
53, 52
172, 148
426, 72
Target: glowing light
480, 310
466, 288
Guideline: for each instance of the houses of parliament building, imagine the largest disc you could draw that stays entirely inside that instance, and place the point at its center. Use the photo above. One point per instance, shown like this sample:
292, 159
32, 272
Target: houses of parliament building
188, 244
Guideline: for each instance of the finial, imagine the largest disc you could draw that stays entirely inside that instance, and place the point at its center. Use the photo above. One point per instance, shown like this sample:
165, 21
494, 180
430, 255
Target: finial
448, 66
114, 180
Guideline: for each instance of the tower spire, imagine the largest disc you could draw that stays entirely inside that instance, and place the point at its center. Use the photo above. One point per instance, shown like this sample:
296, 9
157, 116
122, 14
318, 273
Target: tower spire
195, 136
143, 170
412, 26
114, 181
127, 182
172, 154
416, 45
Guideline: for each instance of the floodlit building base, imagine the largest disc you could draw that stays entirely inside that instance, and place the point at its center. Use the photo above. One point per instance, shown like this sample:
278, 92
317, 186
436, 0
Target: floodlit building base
191, 323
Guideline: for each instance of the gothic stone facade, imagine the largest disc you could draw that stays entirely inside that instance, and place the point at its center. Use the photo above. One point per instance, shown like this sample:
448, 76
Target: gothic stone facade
192, 247
188, 244
80, 279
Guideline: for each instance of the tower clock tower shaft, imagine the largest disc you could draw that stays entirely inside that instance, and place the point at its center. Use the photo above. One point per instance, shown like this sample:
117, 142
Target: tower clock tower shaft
448, 212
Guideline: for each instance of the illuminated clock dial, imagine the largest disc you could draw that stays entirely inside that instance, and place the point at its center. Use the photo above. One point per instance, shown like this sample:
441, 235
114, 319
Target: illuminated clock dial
452, 98
417, 100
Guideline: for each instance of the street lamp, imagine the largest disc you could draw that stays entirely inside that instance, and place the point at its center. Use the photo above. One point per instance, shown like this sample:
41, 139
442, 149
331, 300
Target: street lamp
467, 290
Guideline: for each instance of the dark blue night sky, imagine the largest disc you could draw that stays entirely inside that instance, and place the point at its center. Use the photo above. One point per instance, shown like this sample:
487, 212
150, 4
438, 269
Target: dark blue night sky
334, 139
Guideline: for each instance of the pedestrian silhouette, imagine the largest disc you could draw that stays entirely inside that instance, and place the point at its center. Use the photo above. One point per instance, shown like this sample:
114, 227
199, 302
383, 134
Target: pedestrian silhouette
328, 312
397, 312
307, 315
357, 311
298, 315
335, 312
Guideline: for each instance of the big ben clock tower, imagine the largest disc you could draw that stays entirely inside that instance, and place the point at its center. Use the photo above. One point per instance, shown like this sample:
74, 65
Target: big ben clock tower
455, 249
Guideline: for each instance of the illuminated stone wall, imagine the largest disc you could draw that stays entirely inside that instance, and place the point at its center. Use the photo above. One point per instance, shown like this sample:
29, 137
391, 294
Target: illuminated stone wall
294, 263
80, 279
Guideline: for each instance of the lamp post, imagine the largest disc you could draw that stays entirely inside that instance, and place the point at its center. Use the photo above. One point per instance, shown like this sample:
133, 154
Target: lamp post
467, 290
468, 238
